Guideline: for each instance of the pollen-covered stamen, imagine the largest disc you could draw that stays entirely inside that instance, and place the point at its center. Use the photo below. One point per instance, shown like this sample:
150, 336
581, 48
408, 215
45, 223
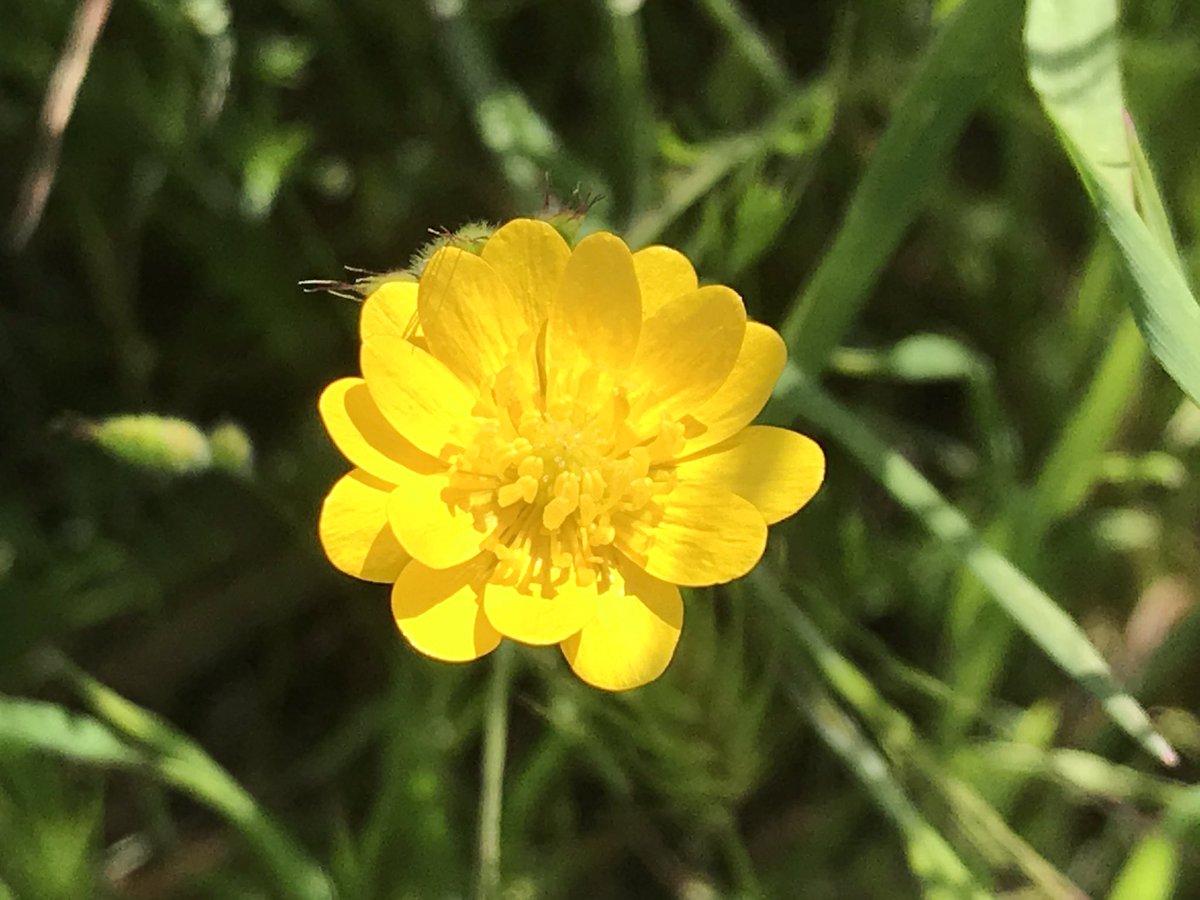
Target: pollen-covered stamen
555, 478
525, 488
563, 502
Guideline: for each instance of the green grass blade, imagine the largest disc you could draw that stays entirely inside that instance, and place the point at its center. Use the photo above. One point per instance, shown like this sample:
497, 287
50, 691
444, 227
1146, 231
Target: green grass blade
1032, 610
1071, 47
1068, 475
807, 115
1086, 776
749, 43
178, 761
630, 109
897, 736
1073, 65
1149, 199
1163, 306
1150, 872
50, 728
942, 873
1071, 468
954, 76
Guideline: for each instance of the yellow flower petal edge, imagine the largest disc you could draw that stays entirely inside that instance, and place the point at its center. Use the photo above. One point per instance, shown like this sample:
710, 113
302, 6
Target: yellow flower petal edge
702, 535
662, 275
775, 469
745, 392
632, 637
418, 396
354, 530
390, 311
539, 613
471, 320
364, 436
596, 316
438, 611
530, 257
563, 442
431, 525
688, 348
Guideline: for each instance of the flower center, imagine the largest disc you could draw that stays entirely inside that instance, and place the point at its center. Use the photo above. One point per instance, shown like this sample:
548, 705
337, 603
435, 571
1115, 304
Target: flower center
557, 480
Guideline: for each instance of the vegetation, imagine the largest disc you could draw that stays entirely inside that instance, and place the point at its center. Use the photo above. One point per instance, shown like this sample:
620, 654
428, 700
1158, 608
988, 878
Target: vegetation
969, 667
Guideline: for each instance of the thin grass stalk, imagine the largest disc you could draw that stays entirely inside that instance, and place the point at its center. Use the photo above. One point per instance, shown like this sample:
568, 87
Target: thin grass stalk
495, 747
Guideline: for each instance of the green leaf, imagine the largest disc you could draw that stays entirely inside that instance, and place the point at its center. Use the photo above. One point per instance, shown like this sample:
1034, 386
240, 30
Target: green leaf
1072, 466
1072, 52
800, 125
1032, 610
1073, 65
50, 826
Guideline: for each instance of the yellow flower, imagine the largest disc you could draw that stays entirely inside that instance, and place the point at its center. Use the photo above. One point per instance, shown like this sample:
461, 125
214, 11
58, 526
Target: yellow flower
549, 441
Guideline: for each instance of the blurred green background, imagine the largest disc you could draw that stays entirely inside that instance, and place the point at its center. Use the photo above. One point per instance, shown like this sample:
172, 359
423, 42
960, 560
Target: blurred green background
858, 719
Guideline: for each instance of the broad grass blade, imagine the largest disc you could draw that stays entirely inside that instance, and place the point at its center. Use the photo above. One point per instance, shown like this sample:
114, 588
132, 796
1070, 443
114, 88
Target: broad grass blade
953, 78
1073, 65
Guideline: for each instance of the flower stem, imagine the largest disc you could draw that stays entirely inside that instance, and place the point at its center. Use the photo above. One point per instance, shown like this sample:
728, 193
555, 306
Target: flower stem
495, 745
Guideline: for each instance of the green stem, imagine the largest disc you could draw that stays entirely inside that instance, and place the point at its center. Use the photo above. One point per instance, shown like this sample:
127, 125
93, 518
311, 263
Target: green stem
740, 861
495, 745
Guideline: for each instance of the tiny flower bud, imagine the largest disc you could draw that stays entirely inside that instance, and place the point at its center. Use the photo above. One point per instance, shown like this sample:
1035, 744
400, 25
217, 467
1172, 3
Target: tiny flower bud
232, 450
162, 443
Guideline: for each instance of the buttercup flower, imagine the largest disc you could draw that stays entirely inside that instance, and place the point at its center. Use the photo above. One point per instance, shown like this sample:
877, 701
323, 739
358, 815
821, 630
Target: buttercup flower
549, 441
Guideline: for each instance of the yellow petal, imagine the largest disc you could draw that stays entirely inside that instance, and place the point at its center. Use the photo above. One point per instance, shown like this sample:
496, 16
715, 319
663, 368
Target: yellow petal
539, 615
472, 322
390, 311
632, 637
706, 535
746, 390
529, 256
663, 274
438, 611
775, 469
418, 395
436, 532
354, 531
364, 436
597, 316
688, 348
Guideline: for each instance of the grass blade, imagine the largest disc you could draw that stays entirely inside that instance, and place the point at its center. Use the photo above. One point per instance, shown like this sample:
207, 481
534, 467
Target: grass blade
1071, 49
50, 728
933, 860
1151, 871
1032, 610
894, 731
1149, 198
1069, 472
177, 761
809, 112
954, 76
1072, 55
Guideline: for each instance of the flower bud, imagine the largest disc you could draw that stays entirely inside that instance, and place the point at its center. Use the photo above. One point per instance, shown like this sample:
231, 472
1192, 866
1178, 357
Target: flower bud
232, 450
162, 443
